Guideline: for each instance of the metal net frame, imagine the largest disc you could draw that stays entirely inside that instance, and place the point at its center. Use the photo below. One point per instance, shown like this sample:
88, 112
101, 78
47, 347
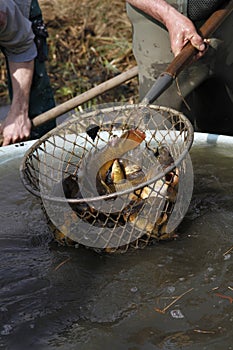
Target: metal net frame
63, 169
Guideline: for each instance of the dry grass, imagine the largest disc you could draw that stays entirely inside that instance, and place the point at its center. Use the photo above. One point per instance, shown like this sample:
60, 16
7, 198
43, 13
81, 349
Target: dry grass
89, 42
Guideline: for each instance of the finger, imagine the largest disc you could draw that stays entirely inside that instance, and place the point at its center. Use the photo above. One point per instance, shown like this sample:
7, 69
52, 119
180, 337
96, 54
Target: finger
177, 47
198, 43
27, 135
10, 139
6, 141
24, 136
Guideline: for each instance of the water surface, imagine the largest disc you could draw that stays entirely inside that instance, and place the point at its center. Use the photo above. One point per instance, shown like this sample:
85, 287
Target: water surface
64, 298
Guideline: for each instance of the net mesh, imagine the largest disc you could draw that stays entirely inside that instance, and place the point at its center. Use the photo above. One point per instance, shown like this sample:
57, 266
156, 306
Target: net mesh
114, 178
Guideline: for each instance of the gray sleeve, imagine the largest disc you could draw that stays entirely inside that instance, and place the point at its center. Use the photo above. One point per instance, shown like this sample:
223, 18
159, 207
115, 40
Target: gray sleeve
16, 36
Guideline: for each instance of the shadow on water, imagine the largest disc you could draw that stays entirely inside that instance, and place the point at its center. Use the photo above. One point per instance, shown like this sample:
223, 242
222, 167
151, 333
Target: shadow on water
64, 298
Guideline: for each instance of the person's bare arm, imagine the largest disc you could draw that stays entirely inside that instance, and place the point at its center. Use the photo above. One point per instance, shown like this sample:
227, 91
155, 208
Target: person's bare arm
17, 125
180, 28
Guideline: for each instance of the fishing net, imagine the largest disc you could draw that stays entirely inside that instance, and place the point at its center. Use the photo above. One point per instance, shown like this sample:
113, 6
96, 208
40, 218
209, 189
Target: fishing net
113, 178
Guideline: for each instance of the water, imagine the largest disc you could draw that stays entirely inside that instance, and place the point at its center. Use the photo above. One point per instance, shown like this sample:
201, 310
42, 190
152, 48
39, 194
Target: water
64, 298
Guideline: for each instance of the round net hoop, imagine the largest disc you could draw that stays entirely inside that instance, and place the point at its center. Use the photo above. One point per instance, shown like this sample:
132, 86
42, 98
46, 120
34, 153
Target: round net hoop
109, 214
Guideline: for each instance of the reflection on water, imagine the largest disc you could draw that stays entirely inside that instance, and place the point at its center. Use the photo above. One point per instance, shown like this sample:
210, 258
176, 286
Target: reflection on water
59, 298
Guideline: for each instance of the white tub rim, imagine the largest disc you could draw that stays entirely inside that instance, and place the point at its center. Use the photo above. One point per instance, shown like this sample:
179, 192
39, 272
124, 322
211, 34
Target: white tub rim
17, 151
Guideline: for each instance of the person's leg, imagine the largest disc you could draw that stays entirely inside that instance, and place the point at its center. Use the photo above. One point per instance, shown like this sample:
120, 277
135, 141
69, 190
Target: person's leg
151, 47
213, 99
41, 97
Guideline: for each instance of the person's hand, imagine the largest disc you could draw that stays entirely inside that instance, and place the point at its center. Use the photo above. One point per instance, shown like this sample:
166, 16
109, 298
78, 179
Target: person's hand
17, 125
15, 129
181, 31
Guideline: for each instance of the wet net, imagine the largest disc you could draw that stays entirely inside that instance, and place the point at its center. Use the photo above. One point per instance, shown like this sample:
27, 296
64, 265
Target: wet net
113, 178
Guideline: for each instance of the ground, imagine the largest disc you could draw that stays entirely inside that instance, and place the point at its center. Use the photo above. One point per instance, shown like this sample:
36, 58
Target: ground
89, 42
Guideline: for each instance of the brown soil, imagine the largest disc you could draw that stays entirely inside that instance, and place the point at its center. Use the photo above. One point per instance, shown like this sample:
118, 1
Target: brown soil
89, 42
